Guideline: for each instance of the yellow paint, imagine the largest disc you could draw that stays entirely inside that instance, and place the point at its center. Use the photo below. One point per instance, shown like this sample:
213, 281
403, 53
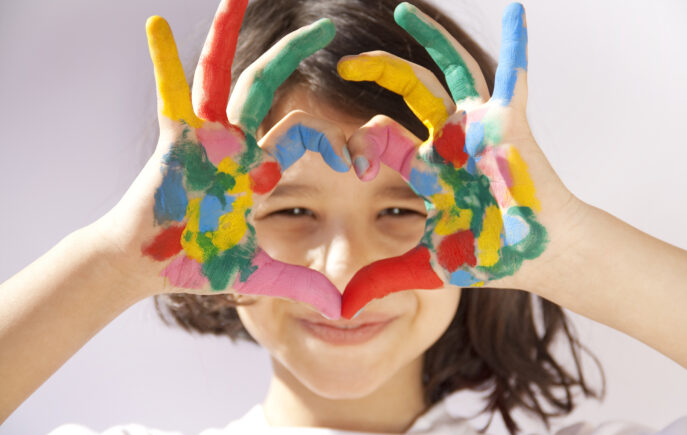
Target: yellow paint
397, 76
489, 240
229, 166
450, 223
191, 247
232, 226
173, 90
523, 188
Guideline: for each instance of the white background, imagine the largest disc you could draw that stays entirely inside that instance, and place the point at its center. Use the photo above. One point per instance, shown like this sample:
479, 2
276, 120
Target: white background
608, 81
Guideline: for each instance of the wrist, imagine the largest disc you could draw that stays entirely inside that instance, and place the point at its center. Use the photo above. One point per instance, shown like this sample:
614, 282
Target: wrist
106, 264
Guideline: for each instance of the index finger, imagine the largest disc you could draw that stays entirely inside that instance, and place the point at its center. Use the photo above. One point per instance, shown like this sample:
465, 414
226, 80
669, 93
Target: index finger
257, 84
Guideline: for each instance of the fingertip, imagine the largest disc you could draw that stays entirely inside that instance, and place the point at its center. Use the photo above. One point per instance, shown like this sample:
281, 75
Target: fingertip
360, 67
324, 29
156, 24
403, 12
513, 19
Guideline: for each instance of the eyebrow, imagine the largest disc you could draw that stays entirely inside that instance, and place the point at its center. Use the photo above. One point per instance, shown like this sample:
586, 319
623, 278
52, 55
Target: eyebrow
299, 190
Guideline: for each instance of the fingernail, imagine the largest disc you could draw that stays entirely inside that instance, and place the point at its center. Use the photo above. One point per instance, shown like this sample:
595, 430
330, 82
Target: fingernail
360, 164
356, 314
347, 156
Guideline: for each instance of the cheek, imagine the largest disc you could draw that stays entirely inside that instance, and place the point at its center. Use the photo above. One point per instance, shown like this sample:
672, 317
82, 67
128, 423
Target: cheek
262, 320
436, 310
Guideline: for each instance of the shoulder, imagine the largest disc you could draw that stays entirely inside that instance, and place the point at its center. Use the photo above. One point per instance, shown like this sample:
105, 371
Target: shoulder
622, 427
122, 429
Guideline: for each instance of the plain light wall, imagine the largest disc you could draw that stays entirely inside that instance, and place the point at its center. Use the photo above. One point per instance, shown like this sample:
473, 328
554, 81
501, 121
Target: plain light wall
607, 83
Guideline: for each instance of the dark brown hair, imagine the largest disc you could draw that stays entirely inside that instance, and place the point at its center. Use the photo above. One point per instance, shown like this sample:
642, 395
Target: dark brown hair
492, 343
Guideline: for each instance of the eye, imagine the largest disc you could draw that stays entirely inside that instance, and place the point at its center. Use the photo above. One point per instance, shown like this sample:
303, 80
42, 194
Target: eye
400, 212
294, 212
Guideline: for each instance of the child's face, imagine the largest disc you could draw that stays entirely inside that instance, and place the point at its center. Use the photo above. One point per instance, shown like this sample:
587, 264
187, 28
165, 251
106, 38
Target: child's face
343, 225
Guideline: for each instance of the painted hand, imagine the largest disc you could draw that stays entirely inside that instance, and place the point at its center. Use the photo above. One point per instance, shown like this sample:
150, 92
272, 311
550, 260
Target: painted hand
212, 165
477, 171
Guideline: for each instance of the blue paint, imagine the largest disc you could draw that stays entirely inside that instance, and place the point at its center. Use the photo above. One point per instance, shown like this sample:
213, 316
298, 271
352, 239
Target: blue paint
513, 53
211, 209
462, 278
424, 183
474, 138
515, 228
292, 145
170, 197
471, 166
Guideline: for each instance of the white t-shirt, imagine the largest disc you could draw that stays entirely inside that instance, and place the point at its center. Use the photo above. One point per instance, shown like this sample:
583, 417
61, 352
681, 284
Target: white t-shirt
436, 421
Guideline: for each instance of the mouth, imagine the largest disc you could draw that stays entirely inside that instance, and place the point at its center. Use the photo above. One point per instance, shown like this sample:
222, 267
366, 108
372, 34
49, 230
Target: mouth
342, 332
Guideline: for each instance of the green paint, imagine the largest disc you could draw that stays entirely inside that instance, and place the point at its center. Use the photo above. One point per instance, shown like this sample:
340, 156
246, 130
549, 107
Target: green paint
492, 127
430, 224
251, 156
221, 269
204, 241
469, 192
458, 77
221, 183
532, 246
198, 169
301, 44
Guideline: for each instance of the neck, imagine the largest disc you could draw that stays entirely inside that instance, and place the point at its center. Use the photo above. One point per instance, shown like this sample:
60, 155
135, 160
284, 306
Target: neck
392, 408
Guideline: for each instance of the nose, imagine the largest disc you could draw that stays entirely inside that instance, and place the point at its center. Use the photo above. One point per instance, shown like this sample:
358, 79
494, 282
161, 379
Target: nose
345, 249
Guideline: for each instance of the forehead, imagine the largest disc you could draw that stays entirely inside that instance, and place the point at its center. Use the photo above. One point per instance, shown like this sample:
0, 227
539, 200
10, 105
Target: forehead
311, 176
301, 99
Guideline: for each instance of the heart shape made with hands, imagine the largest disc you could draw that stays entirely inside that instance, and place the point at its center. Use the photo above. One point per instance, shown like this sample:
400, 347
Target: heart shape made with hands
480, 198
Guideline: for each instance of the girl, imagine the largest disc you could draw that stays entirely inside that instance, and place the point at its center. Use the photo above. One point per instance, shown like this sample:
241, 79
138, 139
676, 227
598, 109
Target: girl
419, 345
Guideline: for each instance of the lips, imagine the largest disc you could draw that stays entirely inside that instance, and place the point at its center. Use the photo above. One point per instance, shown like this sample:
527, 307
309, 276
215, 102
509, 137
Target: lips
411, 270
368, 318
344, 335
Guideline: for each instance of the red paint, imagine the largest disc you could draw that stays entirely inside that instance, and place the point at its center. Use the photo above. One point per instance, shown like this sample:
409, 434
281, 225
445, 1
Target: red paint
216, 60
166, 244
265, 177
450, 144
457, 249
409, 271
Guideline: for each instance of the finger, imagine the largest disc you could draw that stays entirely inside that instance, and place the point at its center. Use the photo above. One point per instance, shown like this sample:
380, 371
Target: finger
299, 131
212, 81
511, 73
409, 271
255, 87
382, 140
420, 89
463, 75
304, 284
174, 97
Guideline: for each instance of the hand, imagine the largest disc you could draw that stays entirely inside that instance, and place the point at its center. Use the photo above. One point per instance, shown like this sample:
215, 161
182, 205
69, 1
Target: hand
477, 171
194, 228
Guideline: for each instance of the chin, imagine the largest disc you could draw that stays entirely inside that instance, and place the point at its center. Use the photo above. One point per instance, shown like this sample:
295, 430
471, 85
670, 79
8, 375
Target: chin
341, 386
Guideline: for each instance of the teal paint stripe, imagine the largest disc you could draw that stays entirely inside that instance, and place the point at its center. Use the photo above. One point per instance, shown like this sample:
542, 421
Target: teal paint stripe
266, 81
460, 81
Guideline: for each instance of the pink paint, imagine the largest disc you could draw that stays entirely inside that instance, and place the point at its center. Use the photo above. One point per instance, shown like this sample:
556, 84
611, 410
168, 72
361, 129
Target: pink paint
220, 143
274, 278
185, 272
392, 147
476, 115
494, 165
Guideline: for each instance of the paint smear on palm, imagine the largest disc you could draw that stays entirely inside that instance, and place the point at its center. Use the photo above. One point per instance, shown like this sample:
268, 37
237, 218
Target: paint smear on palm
213, 168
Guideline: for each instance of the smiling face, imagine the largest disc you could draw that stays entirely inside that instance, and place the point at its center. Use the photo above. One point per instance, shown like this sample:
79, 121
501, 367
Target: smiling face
334, 223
